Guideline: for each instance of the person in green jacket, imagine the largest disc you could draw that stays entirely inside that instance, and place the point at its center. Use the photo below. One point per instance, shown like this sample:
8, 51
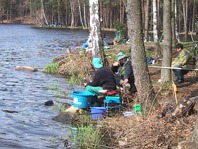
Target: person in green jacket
183, 60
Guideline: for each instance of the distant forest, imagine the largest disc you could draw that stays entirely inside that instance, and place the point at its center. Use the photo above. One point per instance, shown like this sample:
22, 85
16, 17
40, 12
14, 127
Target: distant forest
75, 13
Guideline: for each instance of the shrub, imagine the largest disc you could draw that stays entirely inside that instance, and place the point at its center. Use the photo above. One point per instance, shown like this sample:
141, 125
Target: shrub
74, 79
51, 68
89, 137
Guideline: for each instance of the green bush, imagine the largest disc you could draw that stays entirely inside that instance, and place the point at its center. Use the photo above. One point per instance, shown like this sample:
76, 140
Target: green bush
51, 68
121, 27
89, 137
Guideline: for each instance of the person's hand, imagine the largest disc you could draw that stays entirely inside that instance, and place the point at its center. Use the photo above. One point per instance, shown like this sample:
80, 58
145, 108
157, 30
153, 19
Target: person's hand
85, 84
125, 81
116, 64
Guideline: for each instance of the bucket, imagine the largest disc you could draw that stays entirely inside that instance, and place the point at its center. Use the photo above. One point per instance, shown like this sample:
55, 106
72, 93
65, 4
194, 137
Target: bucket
98, 112
82, 99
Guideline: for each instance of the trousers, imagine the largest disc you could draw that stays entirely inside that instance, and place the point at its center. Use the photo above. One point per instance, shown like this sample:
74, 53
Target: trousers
179, 73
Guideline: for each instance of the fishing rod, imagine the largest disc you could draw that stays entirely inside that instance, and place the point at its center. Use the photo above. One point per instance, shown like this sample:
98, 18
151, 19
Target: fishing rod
161, 67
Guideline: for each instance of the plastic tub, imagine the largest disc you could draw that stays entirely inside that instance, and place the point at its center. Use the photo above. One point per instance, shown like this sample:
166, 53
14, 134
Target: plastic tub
98, 112
82, 99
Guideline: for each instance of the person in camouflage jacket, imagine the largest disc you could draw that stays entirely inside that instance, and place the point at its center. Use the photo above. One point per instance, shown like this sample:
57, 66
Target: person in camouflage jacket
124, 72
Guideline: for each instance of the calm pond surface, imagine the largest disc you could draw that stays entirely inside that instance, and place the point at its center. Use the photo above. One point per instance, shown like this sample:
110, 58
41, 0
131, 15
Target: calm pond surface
25, 121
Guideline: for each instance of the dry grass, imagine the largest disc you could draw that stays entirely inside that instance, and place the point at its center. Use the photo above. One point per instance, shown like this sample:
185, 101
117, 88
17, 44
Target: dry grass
153, 132
75, 64
150, 132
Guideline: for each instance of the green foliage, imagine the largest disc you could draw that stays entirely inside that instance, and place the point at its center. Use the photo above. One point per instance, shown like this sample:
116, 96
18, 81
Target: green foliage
60, 107
121, 27
89, 137
149, 53
196, 25
106, 2
74, 79
51, 68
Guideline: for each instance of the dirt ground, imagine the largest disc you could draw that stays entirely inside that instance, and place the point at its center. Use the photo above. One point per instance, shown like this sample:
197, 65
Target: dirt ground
154, 132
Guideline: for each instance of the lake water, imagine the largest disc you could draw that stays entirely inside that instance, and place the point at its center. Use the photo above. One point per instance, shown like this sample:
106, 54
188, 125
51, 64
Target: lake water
25, 121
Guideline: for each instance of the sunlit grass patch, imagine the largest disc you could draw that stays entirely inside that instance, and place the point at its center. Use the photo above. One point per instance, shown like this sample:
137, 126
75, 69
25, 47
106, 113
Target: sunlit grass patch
51, 68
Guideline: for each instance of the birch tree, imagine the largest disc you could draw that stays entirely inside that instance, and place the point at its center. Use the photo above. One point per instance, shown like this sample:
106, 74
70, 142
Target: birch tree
155, 31
95, 33
138, 55
155, 28
167, 43
176, 26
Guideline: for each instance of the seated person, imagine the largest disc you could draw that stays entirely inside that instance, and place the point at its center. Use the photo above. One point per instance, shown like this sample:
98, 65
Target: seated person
150, 60
183, 60
103, 78
124, 72
87, 44
117, 38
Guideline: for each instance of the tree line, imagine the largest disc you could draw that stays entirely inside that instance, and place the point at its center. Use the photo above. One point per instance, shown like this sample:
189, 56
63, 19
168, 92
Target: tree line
75, 13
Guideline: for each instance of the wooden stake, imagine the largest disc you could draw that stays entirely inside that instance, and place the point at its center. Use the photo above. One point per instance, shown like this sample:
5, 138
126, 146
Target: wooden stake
175, 91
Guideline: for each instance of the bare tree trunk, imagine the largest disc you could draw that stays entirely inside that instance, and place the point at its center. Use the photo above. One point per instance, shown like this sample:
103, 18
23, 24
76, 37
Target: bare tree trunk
176, 21
30, 7
59, 18
1, 12
43, 17
97, 50
138, 55
72, 12
158, 16
10, 14
7, 13
173, 22
79, 7
167, 43
52, 15
66, 13
120, 11
185, 14
146, 22
85, 16
193, 18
